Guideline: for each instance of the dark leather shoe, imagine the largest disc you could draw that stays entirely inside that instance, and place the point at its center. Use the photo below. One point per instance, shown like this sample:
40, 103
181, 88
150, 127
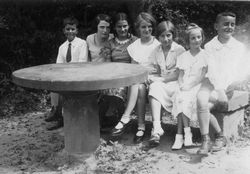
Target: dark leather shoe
154, 141
205, 146
220, 142
58, 124
108, 123
119, 132
54, 114
139, 139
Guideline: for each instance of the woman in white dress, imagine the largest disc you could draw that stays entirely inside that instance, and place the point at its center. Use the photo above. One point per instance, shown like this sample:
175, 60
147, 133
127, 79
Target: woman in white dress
140, 52
163, 87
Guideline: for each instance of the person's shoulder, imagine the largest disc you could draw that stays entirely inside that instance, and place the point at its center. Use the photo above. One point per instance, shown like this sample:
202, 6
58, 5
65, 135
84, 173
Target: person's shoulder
111, 41
90, 38
183, 59
157, 49
214, 41
135, 43
111, 36
80, 40
156, 42
134, 47
136, 40
184, 55
133, 38
177, 47
203, 53
65, 43
237, 43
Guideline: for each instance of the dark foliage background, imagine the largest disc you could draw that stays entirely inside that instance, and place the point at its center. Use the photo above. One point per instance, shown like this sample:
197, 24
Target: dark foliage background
31, 31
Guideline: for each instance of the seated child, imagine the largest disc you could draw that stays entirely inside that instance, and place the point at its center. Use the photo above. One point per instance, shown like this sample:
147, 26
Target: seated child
192, 69
224, 56
73, 49
162, 88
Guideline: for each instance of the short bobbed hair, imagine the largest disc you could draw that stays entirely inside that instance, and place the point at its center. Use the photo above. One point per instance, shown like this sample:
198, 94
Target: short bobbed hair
143, 16
165, 26
121, 17
224, 14
70, 21
189, 28
99, 18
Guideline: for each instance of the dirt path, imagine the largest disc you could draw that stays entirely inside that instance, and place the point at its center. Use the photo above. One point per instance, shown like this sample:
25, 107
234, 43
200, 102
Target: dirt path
26, 147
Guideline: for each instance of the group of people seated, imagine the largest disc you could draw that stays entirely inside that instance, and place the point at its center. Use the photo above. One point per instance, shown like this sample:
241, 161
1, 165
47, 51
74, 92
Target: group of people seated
186, 82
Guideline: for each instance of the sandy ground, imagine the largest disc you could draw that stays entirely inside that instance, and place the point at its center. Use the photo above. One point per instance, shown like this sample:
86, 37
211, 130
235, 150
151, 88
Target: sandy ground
26, 147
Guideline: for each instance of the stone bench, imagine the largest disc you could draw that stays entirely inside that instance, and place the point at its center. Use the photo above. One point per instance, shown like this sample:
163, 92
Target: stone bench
232, 119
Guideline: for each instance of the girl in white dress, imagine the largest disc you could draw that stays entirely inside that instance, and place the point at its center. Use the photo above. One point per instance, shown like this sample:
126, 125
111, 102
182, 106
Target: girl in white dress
162, 88
139, 51
192, 69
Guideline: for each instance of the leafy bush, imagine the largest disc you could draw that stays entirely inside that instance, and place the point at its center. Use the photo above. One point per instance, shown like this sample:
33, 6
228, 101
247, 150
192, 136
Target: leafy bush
203, 13
162, 11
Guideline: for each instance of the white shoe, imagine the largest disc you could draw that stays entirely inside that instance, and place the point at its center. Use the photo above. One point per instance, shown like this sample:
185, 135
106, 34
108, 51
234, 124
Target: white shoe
178, 143
158, 131
188, 137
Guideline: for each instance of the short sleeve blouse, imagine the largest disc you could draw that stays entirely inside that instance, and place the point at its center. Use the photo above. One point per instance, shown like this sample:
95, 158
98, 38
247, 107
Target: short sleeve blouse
141, 52
119, 52
168, 64
94, 50
191, 65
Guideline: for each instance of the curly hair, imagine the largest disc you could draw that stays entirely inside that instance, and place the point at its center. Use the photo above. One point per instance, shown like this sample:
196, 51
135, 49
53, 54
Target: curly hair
99, 18
119, 17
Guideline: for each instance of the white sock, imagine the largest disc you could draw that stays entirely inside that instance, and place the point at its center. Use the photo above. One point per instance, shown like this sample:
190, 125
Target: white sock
125, 119
157, 127
187, 130
188, 137
178, 142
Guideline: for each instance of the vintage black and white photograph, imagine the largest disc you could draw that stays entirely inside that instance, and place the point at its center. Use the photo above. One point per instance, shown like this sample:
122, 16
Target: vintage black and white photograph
124, 86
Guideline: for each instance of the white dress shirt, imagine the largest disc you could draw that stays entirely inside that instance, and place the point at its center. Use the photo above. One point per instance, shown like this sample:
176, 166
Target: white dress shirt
79, 51
224, 62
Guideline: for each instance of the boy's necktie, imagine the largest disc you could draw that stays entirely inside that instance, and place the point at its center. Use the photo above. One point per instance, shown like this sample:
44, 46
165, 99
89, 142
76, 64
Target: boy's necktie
68, 55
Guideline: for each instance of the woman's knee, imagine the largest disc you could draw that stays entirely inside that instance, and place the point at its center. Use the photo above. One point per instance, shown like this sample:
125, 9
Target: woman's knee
142, 86
142, 90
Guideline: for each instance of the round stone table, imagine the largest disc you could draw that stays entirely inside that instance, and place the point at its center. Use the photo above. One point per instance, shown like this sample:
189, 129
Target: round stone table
78, 83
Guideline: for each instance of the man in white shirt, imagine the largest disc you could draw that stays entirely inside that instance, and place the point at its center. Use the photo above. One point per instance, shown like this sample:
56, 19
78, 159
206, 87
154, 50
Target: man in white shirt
73, 49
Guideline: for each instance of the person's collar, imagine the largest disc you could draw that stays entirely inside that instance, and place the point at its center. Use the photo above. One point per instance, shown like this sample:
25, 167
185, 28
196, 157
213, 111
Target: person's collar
232, 42
172, 48
218, 45
72, 42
